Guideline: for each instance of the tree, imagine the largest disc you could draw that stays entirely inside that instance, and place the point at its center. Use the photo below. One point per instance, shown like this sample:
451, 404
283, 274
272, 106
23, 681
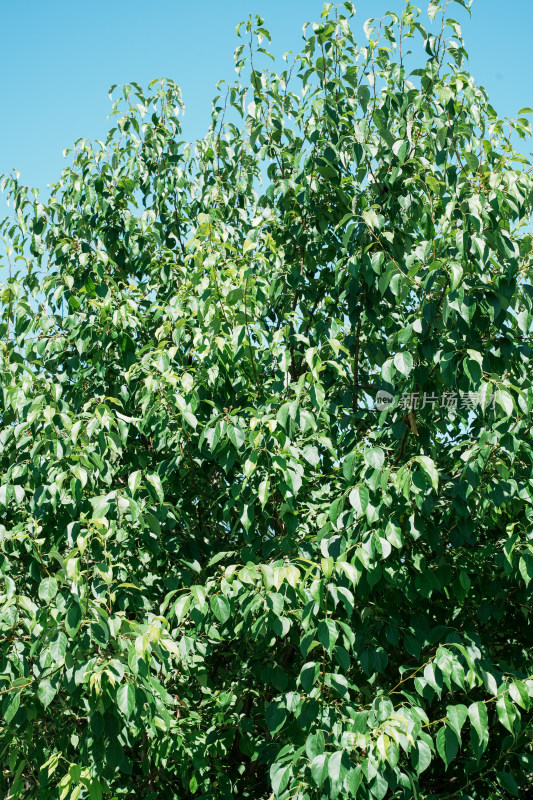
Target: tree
266, 494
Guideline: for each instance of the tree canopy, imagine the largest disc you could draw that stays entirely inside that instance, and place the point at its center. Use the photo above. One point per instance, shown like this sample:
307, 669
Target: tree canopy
266, 467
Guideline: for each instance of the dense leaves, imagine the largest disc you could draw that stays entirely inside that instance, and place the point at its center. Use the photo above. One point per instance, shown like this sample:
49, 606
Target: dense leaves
266, 465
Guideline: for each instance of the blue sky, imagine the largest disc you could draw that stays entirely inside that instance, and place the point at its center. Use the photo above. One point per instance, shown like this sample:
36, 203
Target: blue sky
59, 58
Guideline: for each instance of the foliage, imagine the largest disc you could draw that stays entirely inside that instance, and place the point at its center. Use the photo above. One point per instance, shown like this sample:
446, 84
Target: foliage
225, 569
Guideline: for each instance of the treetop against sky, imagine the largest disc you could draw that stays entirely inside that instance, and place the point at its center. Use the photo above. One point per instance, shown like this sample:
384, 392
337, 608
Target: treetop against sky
59, 60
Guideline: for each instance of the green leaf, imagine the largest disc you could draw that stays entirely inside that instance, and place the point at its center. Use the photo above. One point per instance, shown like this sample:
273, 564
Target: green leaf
375, 457
421, 756
456, 716
19, 493
126, 699
477, 714
471, 160
100, 506
11, 706
338, 765
58, 647
95, 790
507, 782
348, 466
314, 745
525, 567
359, 499
189, 418
456, 271
363, 95
279, 776
327, 634
401, 149
48, 589
264, 492
428, 465
472, 370
447, 744
134, 481
73, 620
519, 694
275, 716
181, 606
199, 594
319, 768
371, 219
506, 712
379, 786
220, 607
505, 401
433, 9
309, 675
404, 362
46, 692
155, 481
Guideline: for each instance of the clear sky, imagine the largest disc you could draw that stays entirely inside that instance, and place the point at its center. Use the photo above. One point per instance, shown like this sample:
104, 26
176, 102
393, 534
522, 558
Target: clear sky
58, 59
